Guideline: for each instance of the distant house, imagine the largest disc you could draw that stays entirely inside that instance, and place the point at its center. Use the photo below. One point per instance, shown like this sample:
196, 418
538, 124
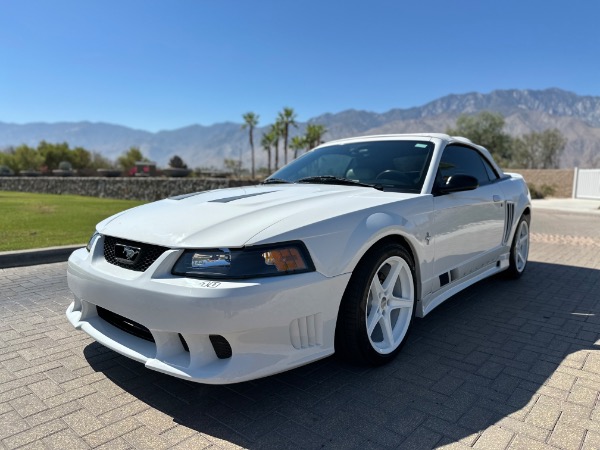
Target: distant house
145, 169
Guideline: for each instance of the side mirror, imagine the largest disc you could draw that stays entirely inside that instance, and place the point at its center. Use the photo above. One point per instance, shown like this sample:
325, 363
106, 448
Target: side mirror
457, 183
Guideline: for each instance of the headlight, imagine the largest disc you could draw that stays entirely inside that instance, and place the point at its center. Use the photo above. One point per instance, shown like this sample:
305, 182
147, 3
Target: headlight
249, 262
90, 243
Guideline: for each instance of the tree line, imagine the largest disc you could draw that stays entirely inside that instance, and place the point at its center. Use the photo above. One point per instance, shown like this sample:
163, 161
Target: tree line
535, 150
47, 157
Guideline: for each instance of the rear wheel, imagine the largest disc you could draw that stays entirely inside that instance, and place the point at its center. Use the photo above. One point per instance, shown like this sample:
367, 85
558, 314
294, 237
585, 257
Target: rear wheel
378, 307
519, 250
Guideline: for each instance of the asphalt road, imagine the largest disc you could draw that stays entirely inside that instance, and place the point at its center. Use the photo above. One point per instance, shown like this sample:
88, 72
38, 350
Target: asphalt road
504, 364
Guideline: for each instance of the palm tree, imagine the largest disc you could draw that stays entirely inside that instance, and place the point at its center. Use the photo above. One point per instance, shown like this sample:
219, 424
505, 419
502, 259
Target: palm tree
314, 135
276, 131
267, 141
286, 118
250, 121
297, 143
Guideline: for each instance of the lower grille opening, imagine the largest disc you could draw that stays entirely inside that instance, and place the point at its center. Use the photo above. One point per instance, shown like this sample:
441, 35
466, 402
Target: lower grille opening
125, 324
221, 346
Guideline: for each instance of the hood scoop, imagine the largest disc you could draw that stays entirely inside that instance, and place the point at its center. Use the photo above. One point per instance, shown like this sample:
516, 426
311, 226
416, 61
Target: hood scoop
237, 197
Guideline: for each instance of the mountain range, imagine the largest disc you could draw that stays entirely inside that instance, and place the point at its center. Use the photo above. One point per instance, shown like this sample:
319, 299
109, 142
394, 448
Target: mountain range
576, 117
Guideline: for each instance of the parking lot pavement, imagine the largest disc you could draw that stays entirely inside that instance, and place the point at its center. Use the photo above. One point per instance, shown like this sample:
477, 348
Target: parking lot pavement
505, 364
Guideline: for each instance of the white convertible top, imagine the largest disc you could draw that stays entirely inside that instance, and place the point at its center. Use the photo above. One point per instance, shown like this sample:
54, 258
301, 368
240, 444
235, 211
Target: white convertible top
445, 138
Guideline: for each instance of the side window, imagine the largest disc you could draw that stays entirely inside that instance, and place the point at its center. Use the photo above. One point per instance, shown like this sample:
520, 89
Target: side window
461, 160
490, 170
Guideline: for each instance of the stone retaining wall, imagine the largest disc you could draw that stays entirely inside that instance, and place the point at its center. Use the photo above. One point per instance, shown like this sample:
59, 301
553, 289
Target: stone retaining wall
147, 189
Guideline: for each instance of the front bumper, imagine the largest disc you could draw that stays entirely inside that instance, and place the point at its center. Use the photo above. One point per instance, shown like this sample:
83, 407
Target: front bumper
272, 324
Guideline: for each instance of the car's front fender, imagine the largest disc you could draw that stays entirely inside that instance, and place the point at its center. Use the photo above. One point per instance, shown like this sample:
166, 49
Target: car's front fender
338, 243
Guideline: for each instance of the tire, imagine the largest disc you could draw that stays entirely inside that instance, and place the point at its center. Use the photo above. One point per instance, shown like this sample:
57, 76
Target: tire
519, 250
378, 307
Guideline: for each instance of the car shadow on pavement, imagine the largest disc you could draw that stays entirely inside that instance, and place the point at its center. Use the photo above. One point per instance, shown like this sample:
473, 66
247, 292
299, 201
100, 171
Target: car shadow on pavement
487, 356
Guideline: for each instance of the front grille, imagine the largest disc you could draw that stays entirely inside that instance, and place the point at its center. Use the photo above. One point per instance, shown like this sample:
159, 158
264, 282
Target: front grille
147, 254
125, 324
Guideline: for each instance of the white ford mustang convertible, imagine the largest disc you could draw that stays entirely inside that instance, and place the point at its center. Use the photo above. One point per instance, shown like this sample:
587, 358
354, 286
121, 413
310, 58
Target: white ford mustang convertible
335, 252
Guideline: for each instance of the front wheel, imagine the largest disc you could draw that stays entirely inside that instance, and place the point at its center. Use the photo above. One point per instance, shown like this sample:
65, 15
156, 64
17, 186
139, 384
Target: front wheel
519, 250
378, 307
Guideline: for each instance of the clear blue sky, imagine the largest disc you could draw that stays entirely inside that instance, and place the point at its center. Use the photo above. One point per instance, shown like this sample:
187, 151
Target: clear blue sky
167, 64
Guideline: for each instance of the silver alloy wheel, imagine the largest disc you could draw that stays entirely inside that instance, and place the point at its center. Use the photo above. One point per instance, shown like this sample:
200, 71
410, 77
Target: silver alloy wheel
390, 305
522, 246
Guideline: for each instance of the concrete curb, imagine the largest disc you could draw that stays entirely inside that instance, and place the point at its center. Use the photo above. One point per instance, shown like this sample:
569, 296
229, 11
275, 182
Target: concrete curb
37, 256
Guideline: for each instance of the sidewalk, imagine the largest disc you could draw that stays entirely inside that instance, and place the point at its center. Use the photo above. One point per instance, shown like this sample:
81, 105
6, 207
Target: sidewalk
573, 205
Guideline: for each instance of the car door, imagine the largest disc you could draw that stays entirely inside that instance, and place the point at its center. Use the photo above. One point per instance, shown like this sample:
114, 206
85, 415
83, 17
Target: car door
468, 225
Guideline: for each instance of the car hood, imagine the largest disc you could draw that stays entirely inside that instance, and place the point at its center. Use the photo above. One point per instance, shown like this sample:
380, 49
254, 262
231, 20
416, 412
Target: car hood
232, 217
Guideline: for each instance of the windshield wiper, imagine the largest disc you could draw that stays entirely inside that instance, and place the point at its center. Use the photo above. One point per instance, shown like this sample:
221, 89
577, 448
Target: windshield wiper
330, 179
274, 181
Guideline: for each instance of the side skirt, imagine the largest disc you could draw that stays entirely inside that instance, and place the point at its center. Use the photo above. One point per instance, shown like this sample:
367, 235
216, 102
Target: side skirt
430, 302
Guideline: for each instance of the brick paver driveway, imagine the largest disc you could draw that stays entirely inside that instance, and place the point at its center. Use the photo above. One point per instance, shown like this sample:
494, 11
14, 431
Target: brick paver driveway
505, 364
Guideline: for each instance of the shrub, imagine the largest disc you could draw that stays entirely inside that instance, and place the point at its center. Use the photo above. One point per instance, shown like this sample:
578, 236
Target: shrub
543, 191
177, 163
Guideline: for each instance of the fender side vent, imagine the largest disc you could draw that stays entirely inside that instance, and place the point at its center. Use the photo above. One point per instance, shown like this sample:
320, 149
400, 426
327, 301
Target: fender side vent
508, 222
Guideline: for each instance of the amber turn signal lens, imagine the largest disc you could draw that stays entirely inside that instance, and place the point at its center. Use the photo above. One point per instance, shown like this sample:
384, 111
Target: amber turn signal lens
285, 259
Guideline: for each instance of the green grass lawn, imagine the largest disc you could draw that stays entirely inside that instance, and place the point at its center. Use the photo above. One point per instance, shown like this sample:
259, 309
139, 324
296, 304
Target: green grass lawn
46, 220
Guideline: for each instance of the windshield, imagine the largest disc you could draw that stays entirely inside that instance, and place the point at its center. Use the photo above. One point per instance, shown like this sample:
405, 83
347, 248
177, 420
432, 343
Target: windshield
392, 165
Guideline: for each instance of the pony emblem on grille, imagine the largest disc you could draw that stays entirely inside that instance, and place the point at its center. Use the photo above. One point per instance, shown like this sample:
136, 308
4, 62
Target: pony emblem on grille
126, 254
130, 253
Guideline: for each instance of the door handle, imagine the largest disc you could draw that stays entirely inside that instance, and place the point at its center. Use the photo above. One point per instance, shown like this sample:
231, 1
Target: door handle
497, 198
